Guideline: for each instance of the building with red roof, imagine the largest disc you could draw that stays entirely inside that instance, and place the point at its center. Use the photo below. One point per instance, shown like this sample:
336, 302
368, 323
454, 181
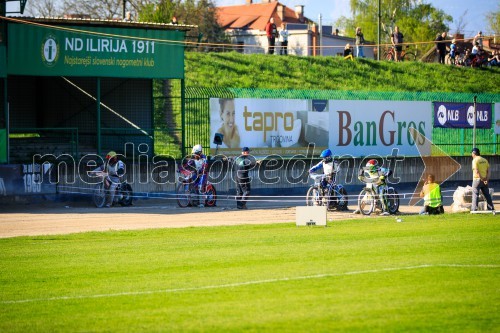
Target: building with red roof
245, 26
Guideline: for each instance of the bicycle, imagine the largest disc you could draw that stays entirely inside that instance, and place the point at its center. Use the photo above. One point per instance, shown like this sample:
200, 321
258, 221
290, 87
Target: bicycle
327, 193
390, 54
369, 198
187, 192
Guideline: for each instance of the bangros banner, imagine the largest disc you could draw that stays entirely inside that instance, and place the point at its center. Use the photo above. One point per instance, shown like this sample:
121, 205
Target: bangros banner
283, 127
461, 115
364, 128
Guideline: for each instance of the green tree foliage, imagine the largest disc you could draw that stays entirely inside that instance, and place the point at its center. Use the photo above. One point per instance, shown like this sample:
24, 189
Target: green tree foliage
200, 13
494, 21
419, 22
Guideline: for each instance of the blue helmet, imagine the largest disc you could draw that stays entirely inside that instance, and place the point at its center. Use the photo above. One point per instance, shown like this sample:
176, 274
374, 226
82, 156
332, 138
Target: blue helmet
326, 153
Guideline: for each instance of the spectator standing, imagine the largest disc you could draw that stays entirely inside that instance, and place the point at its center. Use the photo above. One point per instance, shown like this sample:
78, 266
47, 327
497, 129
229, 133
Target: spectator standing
479, 39
453, 51
271, 33
480, 176
284, 39
431, 192
441, 47
174, 20
360, 41
397, 42
243, 164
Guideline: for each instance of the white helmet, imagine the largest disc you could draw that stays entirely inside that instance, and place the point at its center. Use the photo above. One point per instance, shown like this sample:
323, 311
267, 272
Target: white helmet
197, 150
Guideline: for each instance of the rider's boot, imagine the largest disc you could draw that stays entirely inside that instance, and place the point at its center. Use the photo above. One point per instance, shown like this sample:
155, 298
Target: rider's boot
202, 197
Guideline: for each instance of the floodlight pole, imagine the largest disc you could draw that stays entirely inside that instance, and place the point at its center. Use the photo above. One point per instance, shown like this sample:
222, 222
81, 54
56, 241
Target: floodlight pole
475, 119
320, 36
378, 32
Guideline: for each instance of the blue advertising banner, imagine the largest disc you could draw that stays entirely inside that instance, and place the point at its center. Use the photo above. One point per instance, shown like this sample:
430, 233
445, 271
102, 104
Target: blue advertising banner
461, 115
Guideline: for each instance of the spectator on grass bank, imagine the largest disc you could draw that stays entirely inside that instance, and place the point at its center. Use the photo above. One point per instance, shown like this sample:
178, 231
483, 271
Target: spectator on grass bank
397, 42
348, 52
480, 177
360, 41
441, 47
453, 51
284, 39
479, 39
431, 192
242, 165
271, 33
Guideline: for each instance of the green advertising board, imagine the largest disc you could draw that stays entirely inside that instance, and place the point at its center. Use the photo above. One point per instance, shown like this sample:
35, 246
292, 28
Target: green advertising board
3, 146
95, 51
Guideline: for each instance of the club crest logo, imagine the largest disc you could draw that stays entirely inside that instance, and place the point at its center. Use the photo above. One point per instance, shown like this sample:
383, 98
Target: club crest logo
50, 51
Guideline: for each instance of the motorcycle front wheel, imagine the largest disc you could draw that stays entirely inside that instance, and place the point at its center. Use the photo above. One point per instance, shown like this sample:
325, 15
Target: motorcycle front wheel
99, 195
366, 201
313, 197
183, 193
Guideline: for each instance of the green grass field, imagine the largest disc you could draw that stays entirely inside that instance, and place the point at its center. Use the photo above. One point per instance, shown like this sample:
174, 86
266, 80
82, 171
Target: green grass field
424, 274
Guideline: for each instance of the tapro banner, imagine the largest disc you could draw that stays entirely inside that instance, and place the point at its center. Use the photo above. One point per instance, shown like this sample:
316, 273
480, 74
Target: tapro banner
461, 115
283, 127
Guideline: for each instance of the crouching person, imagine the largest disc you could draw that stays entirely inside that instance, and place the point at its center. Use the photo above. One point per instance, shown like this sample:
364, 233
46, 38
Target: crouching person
431, 192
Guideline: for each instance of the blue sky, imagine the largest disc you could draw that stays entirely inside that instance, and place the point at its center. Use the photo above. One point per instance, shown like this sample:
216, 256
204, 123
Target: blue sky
331, 10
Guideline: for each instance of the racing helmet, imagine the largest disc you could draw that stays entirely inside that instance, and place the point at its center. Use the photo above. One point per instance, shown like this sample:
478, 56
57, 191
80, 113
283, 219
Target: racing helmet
326, 153
197, 150
372, 164
110, 155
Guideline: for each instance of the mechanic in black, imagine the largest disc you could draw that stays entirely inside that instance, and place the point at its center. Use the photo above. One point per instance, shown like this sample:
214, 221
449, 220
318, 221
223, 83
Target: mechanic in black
242, 164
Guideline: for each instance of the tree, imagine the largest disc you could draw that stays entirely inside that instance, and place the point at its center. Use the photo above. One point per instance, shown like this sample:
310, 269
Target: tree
200, 13
45, 8
418, 21
494, 21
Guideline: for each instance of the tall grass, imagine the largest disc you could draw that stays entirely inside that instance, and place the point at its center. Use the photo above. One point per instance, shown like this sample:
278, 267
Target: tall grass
433, 273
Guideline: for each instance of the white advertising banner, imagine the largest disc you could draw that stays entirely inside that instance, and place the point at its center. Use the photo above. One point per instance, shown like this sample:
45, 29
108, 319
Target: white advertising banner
283, 127
363, 128
496, 111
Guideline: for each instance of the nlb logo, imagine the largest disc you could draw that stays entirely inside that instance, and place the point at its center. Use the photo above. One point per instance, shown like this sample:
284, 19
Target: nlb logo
441, 115
50, 50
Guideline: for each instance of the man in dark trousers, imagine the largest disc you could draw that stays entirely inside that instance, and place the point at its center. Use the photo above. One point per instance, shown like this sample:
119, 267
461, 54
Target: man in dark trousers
244, 163
441, 47
271, 33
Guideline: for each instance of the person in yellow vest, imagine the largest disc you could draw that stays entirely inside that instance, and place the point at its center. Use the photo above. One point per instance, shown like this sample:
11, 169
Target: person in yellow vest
431, 192
480, 176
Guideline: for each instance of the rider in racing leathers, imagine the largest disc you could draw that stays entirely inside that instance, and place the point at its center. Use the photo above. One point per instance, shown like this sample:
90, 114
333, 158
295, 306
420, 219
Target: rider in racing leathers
115, 169
197, 164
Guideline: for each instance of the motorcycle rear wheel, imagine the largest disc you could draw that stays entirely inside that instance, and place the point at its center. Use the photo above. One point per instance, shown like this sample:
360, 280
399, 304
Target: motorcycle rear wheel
126, 192
211, 196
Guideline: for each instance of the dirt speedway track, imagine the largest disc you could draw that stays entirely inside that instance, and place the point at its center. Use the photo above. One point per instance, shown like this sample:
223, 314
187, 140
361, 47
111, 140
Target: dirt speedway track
52, 218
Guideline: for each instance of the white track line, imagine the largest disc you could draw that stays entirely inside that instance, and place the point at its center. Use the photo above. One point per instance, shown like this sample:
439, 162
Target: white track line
240, 284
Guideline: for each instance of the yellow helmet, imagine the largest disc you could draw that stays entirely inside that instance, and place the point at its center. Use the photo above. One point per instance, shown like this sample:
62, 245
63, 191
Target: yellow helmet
110, 155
